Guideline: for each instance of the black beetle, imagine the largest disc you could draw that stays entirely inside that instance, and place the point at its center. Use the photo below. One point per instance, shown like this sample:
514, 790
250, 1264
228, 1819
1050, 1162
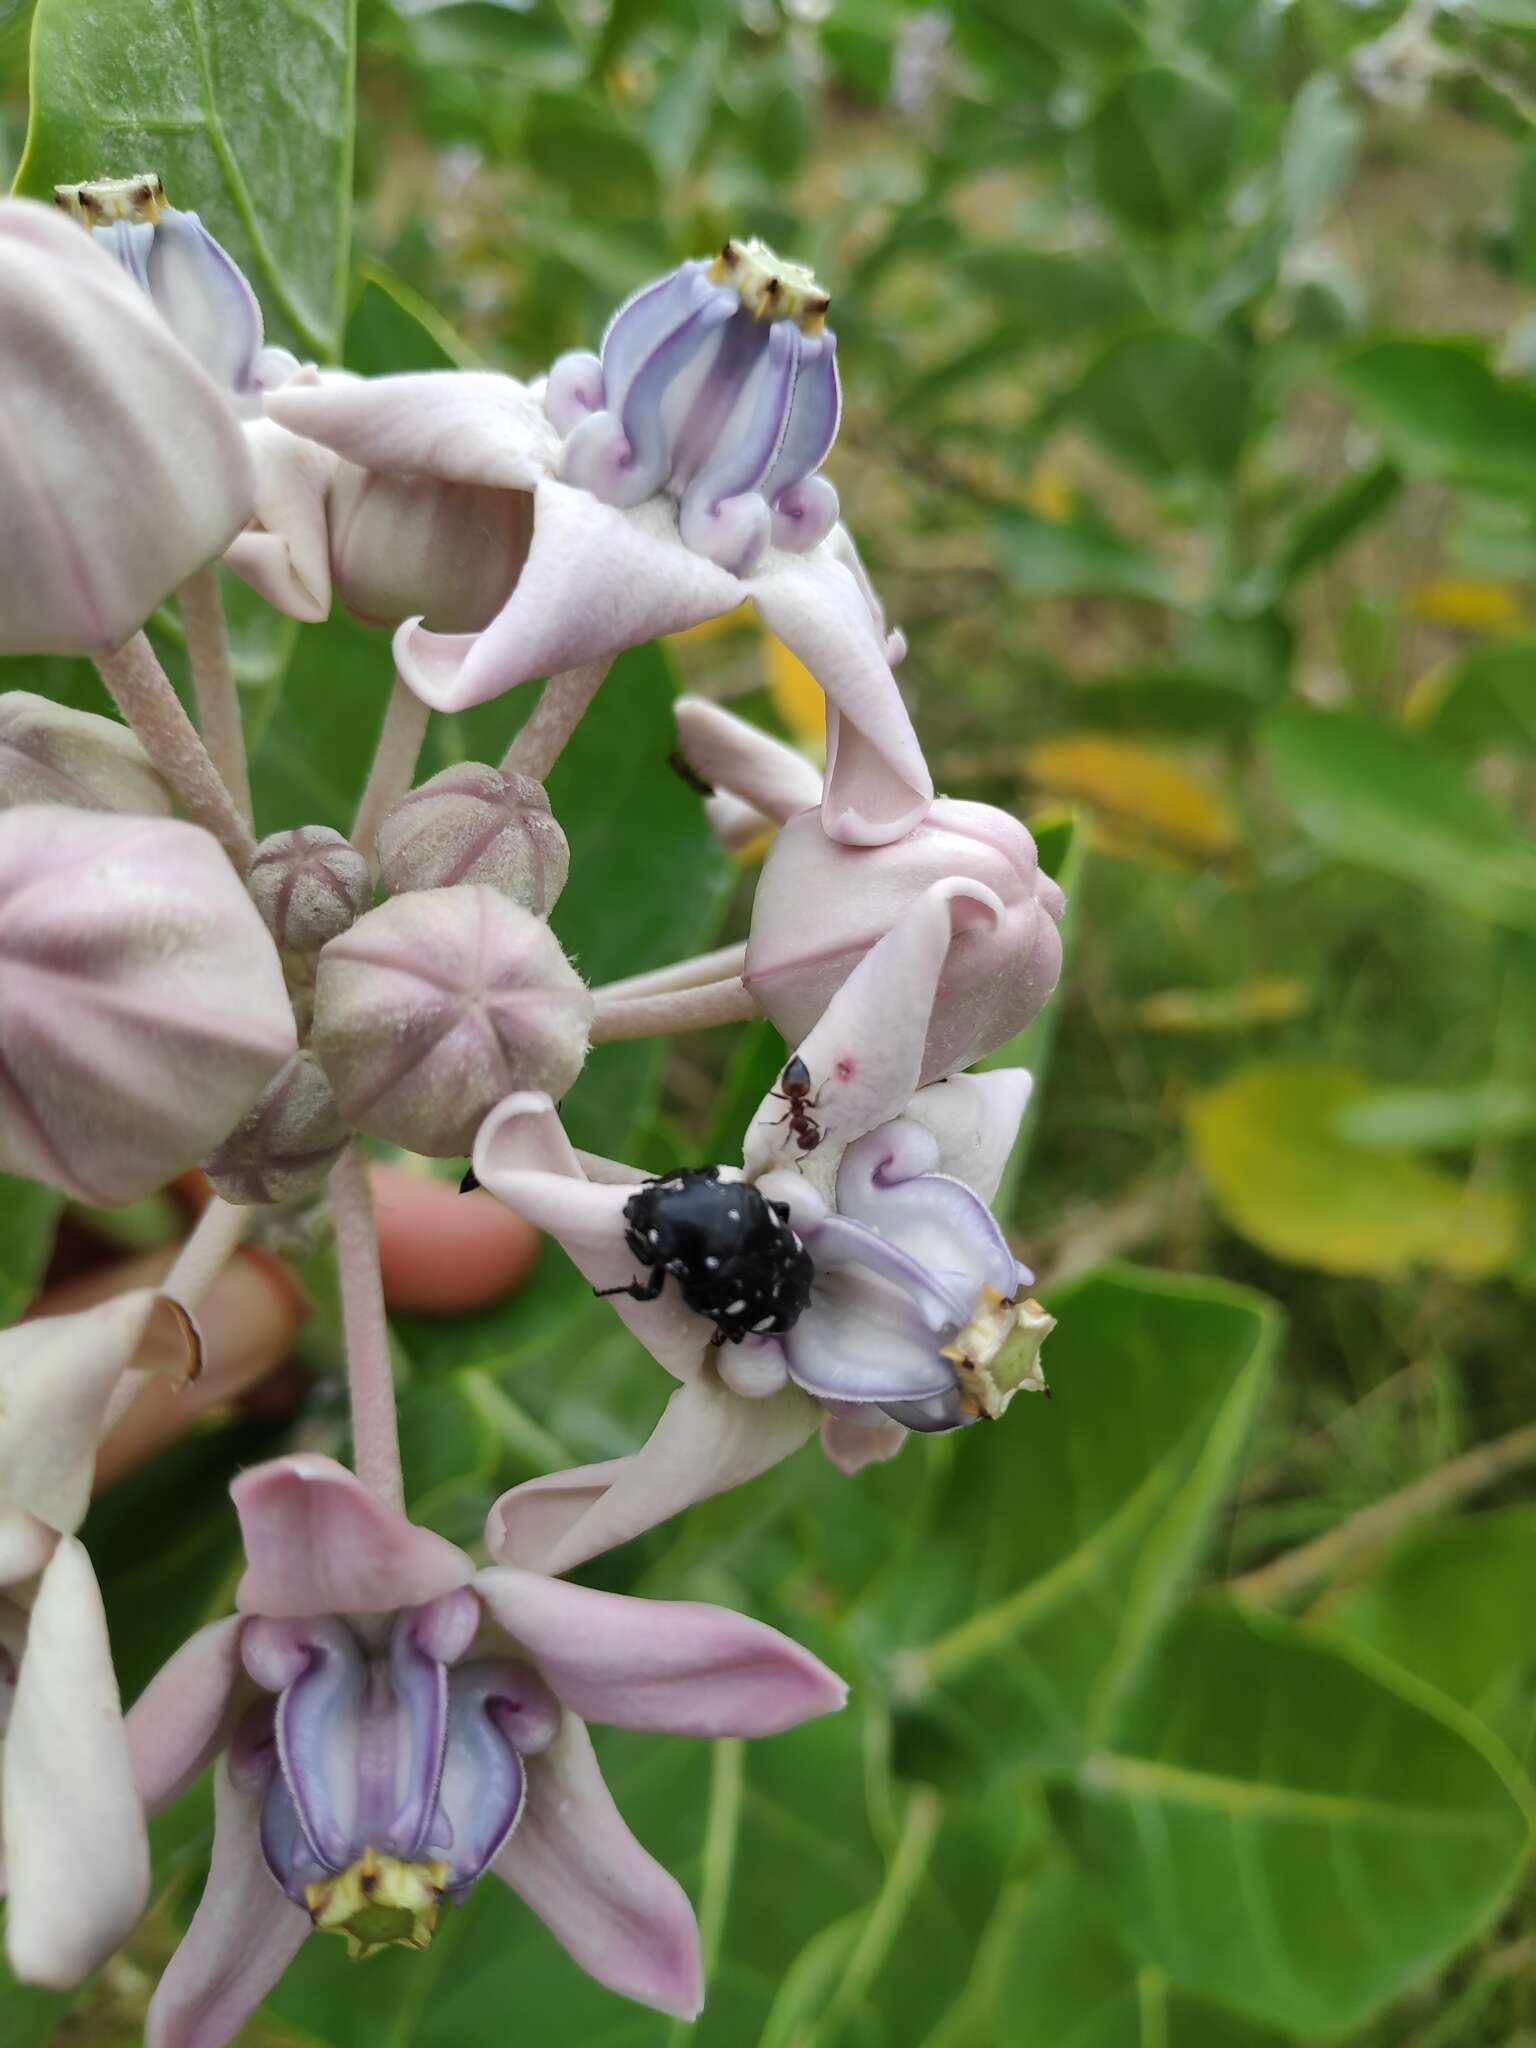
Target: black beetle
732, 1252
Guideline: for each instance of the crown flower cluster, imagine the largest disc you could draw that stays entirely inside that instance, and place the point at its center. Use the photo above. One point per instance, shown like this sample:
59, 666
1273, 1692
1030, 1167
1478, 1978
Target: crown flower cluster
389, 1722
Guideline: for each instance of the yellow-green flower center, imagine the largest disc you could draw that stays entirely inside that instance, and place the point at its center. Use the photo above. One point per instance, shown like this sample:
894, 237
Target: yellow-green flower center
379, 1902
769, 287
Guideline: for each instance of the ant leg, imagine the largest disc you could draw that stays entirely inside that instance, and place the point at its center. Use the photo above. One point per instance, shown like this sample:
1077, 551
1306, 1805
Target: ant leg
638, 1290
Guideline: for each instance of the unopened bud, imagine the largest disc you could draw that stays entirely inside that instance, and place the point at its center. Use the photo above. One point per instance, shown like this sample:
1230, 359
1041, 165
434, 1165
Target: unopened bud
820, 906
142, 1009
50, 754
310, 885
417, 546
473, 824
439, 1003
287, 1142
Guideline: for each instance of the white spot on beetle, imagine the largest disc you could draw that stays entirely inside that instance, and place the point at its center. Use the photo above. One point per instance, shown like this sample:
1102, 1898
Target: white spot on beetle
734, 1308
765, 1324
711, 1263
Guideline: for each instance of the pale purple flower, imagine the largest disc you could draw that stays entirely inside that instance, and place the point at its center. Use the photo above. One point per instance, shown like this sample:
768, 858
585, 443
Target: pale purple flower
1004, 956
192, 281
142, 1006
122, 467
435, 1005
600, 575
718, 385
918, 1316
394, 1725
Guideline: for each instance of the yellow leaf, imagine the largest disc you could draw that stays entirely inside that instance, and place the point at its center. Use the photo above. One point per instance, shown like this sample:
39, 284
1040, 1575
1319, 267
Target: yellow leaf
1144, 801
710, 629
1475, 607
796, 694
1267, 1143
1265, 999
1049, 493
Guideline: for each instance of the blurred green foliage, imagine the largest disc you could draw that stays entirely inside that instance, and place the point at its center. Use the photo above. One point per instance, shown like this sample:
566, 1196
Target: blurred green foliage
1191, 435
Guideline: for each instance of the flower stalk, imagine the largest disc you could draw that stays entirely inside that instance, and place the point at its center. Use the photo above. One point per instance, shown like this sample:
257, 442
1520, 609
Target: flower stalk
213, 683
142, 692
562, 704
370, 1380
394, 764
682, 1009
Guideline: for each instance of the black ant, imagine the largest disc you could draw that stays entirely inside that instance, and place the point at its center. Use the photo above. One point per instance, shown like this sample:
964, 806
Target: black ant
795, 1089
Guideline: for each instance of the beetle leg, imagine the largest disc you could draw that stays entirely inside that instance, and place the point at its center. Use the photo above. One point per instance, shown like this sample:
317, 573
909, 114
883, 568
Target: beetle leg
639, 1290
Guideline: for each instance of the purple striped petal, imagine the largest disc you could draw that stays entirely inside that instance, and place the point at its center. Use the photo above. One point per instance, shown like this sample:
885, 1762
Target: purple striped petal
883, 1184
483, 1778
862, 1339
814, 411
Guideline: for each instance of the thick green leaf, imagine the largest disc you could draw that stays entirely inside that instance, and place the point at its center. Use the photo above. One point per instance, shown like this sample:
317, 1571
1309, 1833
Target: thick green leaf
1371, 793
1298, 1834
28, 1214
1050, 1969
1451, 1604
1069, 1526
1439, 1118
1161, 147
1165, 401
1318, 152
1077, 557
1487, 699
245, 111
1053, 296
1442, 411
1332, 521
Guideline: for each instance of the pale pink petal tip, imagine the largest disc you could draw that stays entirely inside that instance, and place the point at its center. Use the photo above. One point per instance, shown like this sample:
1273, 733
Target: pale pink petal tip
618, 1914
677, 1665
318, 1542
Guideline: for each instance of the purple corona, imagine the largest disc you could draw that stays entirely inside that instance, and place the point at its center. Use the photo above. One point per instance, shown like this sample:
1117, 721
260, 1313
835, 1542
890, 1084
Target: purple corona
717, 384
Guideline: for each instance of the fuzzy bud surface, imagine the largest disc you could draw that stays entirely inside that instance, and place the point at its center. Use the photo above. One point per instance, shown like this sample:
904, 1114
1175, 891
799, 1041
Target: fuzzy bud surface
50, 754
473, 824
142, 1007
309, 884
436, 1005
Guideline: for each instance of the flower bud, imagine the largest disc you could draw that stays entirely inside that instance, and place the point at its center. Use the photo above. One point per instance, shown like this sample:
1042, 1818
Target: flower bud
194, 284
820, 906
142, 1008
473, 824
50, 754
414, 546
439, 1003
122, 468
717, 383
287, 1141
310, 885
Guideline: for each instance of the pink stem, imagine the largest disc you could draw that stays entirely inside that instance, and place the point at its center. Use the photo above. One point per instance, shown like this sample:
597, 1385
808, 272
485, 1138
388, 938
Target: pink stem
685, 1009
394, 763
657, 981
213, 682
562, 702
370, 1379
142, 692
